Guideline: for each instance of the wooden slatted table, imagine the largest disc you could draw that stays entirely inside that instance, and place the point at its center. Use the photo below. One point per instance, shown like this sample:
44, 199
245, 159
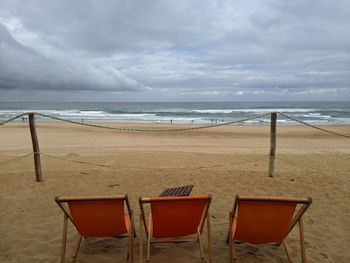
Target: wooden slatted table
177, 191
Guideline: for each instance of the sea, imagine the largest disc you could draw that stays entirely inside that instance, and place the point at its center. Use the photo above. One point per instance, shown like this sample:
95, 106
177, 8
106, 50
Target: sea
320, 113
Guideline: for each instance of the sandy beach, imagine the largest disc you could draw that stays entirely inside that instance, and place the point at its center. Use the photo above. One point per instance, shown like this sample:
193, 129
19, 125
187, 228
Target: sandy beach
222, 161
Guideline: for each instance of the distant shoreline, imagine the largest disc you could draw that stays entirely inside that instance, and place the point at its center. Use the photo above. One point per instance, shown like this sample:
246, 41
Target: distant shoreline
173, 124
204, 113
166, 125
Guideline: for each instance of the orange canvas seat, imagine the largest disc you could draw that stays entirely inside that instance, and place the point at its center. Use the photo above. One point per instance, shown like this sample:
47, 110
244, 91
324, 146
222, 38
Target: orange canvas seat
97, 216
175, 219
266, 220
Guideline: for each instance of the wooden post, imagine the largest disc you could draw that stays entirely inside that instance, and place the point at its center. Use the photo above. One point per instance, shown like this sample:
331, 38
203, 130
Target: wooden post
36, 150
272, 144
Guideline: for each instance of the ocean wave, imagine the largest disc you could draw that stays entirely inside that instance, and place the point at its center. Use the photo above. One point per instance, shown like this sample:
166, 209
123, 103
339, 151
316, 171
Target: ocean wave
213, 111
314, 116
190, 114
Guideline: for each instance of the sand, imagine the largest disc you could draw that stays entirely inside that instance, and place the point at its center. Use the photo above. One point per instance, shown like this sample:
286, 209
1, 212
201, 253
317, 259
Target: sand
223, 161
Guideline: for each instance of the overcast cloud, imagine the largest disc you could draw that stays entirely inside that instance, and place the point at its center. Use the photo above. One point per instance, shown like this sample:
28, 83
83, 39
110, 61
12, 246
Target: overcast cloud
174, 50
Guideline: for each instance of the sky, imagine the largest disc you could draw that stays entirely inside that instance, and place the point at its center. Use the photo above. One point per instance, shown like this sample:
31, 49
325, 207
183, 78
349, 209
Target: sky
183, 50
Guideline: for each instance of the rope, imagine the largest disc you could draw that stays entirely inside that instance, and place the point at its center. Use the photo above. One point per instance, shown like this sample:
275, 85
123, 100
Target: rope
109, 166
13, 118
78, 161
313, 126
300, 166
156, 130
15, 159
178, 129
142, 168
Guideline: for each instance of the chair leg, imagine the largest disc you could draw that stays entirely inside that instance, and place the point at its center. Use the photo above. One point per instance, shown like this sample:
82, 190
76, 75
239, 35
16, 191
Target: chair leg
287, 252
131, 240
231, 256
229, 240
150, 230
64, 237
229, 232
302, 241
209, 239
77, 249
128, 251
141, 238
233, 253
200, 246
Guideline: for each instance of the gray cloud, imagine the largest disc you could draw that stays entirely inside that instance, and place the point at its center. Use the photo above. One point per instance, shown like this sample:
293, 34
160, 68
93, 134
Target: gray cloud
24, 68
220, 50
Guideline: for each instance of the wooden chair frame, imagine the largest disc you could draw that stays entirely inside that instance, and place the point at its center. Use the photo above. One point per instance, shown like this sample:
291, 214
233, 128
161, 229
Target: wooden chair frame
194, 238
62, 203
297, 218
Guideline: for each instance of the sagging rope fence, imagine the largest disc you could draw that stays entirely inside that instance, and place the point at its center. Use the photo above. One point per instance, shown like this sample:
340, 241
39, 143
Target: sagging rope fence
151, 129
15, 159
249, 160
313, 126
14, 118
148, 168
176, 129
272, 154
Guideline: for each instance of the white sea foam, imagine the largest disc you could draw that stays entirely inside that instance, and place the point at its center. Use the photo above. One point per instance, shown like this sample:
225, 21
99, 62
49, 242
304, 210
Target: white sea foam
213, 111
313, 116
341, 120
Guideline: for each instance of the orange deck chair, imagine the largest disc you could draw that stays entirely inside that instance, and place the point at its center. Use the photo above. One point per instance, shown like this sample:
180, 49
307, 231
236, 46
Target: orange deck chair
175, 219
98, 216
266, 220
